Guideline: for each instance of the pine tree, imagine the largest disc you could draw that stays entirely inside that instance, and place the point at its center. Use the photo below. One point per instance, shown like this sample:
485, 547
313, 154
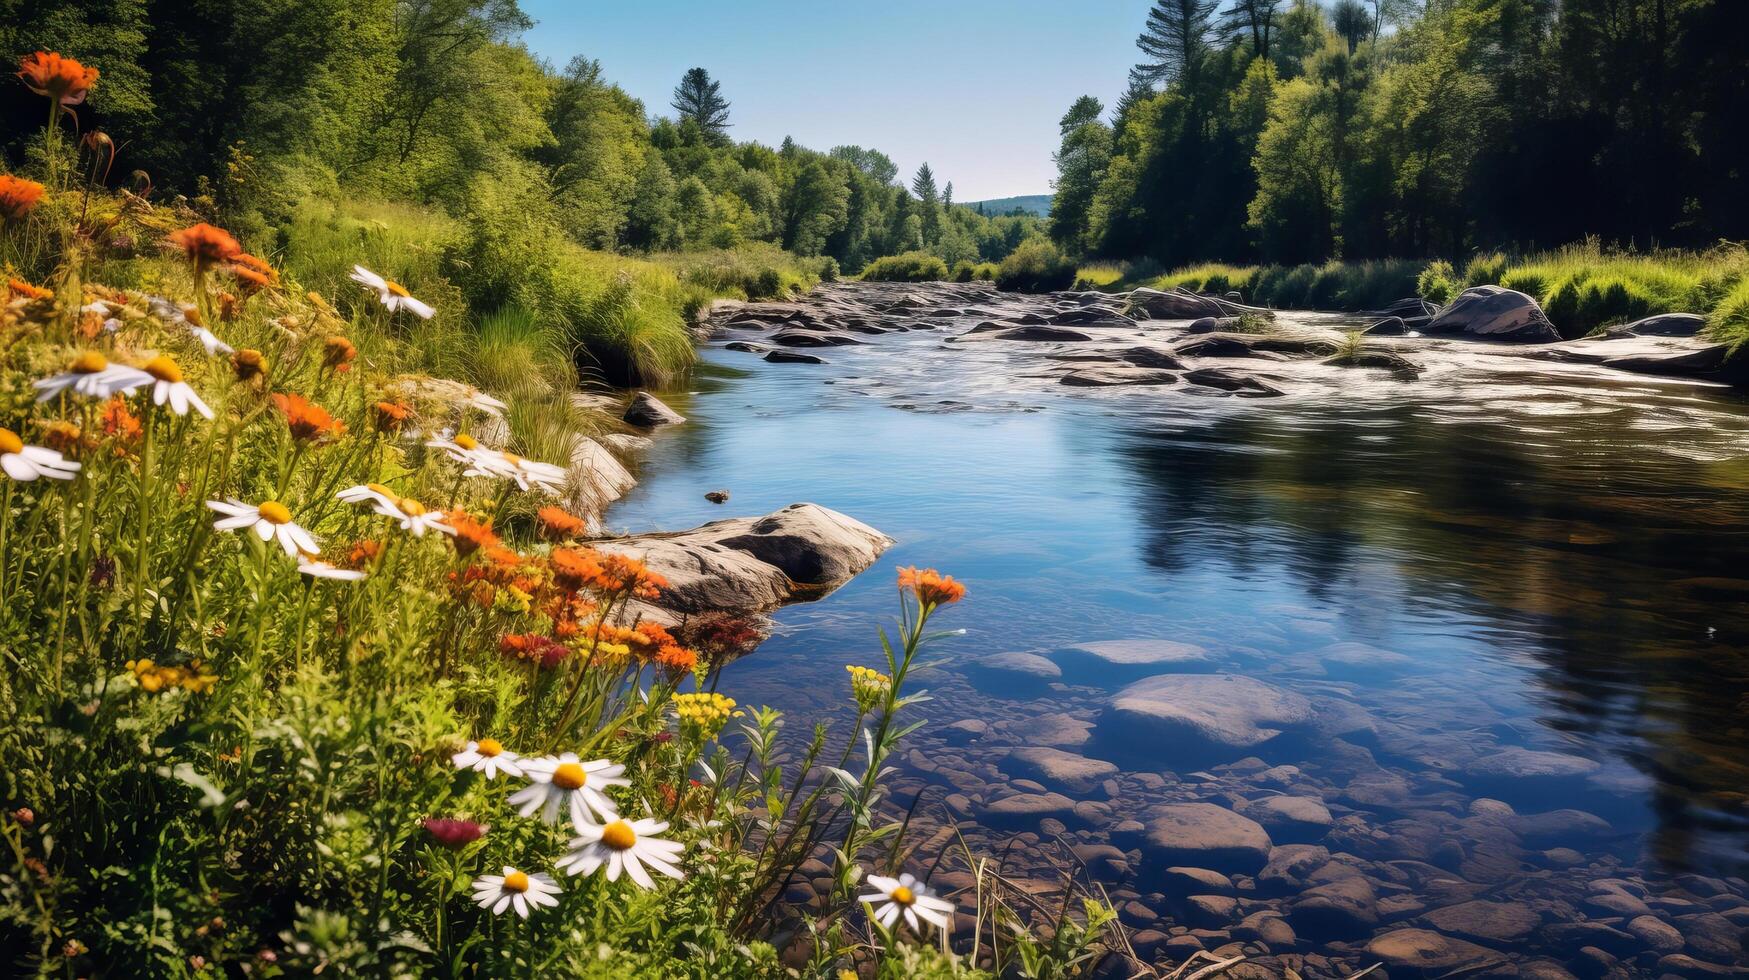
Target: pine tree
947, 195
1140, 88
699, 99
1253, 19
923, 185
1175, 39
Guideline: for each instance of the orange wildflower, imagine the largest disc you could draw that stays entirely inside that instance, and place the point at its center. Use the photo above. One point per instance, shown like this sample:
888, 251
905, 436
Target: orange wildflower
534, 648
307, 421
470, 535
337, 353
572, 570
253, 270
248, 363
364, 552
18, 287
204, 243
250, 280
119, 423
18, 196
557, 524
390, 416
930, 586
49, 74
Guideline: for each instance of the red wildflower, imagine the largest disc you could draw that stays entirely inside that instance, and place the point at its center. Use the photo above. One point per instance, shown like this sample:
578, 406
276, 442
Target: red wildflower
18, 196
534, 648
930, 586
119, 423
453, 834
470, 535
390, 416
49, 74
364, 552
308, 422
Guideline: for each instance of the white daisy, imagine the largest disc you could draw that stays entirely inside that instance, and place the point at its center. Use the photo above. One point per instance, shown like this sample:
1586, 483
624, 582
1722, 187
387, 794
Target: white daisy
391, 294
25, 463
270, 520
490, 757
411, 514
168, 386
526, 472
92, 376
624, 845
316, 568
461, 447
563, 780
907, 896
176, 315
515, 890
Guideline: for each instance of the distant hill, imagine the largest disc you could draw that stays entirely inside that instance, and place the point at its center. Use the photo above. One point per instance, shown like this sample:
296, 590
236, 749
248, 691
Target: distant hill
1039, 204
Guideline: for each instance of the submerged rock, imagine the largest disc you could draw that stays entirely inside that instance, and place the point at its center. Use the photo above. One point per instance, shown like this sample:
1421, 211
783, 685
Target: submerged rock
792, 357
1116, 375
1494, 313
1192, 718
1421, 952
1238, 384
1204, 835
1158, 305
1013, 674
647, 411
1057, 769
1112, 662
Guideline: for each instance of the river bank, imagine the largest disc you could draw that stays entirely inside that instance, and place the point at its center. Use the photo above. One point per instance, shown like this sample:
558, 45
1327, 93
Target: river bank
1376, 669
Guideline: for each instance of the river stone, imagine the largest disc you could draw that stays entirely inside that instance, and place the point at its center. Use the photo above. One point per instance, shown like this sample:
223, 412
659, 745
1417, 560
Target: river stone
595, 478
1666, 325
1224, 380
1204, 835
1391, 326
647, 411
1195, 881
965, 731
1057, 769
1342, 909
797, 337
1057, 731
1118, 375
1361, 661
1024, 811
1288, 867
1685, 966
1177, 718
1158, 305
1528, 777
779, 356
1211, 911
1560, 828
745, 347
1212, 324
1658, 935
1013, 674
1116, 662
1711, 936
1290, 819
1489, 922
752, 564
1425, 953
1494, 313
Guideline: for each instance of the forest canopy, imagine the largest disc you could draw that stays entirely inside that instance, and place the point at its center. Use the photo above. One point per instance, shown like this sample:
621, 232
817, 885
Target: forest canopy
1290, 131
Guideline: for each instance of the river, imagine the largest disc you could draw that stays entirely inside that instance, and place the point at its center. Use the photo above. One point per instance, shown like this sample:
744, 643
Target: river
1526, 589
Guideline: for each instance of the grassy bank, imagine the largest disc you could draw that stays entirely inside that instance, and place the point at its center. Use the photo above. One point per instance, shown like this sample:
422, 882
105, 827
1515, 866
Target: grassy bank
1582, 287
282, 609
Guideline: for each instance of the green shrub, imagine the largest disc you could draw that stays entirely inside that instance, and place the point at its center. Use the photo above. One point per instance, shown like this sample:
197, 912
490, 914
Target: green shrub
906, 267
829, 271
984, 272
1035, 267
1438, 283
1729, 322
962, 271
1485, 270
767, 284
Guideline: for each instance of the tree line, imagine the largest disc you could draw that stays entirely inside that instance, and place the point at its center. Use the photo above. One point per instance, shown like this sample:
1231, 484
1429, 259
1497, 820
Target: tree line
250, 107
1286, 132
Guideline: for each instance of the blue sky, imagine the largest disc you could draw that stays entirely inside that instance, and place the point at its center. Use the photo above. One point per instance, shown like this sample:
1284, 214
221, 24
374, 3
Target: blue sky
975, 87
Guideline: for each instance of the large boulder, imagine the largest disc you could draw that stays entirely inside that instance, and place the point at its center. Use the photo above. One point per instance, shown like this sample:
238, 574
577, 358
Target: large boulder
1204, 835
647, 411
1157, 305
1199, 718
754, 564
1116, 662
596, 478
1424, 953
1494, 313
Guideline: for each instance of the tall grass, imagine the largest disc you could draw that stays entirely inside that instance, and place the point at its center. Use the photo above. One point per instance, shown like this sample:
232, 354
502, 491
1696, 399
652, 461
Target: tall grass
906, 267
751, 271
1583, 287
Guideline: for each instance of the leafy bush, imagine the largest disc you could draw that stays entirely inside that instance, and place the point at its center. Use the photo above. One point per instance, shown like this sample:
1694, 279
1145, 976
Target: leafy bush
1485, 270
984, 272
1438, 283
906, 267
1035, 267
962, 271
829, 271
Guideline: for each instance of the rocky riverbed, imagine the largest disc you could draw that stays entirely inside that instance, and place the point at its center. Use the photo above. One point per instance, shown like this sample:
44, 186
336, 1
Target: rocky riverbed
1267, 787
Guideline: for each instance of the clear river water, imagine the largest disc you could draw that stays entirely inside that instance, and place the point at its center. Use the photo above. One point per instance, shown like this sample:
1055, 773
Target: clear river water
1528, 563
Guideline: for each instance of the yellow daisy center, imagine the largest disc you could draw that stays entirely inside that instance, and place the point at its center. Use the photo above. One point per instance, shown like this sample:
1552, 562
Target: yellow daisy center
9, 442
89, 362
163, 368
395, 287
490, 747
904, 896
516, 881
569, 775
466, 441
619, 835
274, 512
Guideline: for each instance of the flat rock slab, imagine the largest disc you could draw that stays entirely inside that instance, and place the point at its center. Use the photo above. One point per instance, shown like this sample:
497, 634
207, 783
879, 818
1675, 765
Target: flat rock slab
1424, 953
1115, 662
1290, 819
1024, 811
1118, 375
1013, 674
753, 564
1232, 382
1058, 770
812, 338
1191, 718
1204, 835
1489, 922
1362, 661
793, 357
